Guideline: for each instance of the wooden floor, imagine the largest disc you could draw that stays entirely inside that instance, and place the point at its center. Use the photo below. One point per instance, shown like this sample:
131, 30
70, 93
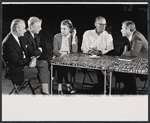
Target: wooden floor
87, 89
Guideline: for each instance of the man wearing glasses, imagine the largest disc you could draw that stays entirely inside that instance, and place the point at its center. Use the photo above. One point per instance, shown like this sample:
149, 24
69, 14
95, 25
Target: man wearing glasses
100, 40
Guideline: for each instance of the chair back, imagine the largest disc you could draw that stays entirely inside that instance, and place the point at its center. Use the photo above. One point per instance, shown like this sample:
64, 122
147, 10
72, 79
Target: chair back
6, 73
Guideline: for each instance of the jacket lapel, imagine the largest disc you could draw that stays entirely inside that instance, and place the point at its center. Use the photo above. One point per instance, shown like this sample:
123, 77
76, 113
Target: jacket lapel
37, 40
16, 45
60, 42
132, 39
31, 39
70, 42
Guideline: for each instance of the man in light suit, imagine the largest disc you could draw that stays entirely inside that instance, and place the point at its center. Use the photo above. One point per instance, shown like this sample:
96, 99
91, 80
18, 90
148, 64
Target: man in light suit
138, 47
33, 47
14, 56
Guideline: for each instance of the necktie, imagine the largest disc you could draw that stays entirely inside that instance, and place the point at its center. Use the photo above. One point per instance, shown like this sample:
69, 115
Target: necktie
35, 39
22, 48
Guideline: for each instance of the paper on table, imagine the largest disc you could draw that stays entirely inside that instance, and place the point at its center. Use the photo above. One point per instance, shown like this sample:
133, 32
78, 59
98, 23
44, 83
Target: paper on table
127, 58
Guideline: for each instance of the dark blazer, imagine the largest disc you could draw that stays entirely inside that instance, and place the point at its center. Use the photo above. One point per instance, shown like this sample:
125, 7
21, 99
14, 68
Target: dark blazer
139, 46
29, 46
58, 41
13, 56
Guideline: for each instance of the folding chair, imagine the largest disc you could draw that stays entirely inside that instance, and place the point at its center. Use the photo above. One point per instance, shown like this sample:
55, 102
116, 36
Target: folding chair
18, 88
145, 79
85, 72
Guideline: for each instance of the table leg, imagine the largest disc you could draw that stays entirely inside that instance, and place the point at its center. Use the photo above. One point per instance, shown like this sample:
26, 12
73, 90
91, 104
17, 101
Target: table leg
110, 81
51, 90
105, 82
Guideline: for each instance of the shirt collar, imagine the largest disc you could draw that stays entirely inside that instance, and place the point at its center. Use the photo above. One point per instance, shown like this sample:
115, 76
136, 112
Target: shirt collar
32, 34
96, 32
15, 37
130, 36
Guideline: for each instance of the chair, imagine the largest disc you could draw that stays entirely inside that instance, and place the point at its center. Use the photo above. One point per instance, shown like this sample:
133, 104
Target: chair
85, 72
142, 78
18, 88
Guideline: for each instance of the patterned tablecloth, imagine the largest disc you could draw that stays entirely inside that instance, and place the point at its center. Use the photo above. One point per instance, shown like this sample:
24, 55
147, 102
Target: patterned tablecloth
109, 63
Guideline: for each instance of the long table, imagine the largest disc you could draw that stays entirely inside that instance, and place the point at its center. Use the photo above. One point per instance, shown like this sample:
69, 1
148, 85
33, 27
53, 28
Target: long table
104, 63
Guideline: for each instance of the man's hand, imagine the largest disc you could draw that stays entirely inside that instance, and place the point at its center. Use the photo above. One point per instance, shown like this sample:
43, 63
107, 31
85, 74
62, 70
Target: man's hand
94, 51
33, 62
24, 56
40, 49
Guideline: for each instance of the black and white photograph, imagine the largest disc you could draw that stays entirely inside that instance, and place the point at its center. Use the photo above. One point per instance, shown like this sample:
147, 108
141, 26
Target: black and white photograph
74, 61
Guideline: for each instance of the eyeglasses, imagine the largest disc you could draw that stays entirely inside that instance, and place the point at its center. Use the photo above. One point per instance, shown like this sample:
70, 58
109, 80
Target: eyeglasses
102, 24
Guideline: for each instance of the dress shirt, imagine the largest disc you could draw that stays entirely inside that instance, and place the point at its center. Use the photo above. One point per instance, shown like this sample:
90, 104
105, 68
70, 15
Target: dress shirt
130, 38
32, 34
103, 41
16, 38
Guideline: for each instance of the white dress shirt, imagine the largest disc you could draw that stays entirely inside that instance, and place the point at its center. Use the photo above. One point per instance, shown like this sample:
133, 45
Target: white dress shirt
130, 36
16, 38
103, 42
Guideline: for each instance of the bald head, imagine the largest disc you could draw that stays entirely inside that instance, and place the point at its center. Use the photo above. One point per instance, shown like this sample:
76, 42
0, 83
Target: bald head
100, 24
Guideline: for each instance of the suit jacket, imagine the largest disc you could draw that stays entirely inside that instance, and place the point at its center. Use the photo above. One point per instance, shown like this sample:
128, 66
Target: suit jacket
13, 56
139, 46
57, 44
29, 46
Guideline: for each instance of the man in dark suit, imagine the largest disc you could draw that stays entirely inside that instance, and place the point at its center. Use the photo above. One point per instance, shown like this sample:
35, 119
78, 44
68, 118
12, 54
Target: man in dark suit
14, 56
33, 47
138, 47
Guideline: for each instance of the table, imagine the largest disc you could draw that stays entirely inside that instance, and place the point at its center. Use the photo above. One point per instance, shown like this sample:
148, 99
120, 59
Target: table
137, 66
104, 63
83, 60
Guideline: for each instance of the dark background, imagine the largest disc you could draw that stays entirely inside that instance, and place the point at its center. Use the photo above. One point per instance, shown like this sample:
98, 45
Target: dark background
81, 15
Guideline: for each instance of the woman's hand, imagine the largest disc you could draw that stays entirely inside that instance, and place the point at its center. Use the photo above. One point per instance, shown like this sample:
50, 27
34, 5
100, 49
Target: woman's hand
74, 36
74, 32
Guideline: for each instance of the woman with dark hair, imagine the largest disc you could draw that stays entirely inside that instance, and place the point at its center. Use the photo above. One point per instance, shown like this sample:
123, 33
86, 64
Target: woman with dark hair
64, 43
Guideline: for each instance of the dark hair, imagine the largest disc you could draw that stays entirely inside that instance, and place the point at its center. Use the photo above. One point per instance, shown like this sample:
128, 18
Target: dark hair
68, 23
130, 25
